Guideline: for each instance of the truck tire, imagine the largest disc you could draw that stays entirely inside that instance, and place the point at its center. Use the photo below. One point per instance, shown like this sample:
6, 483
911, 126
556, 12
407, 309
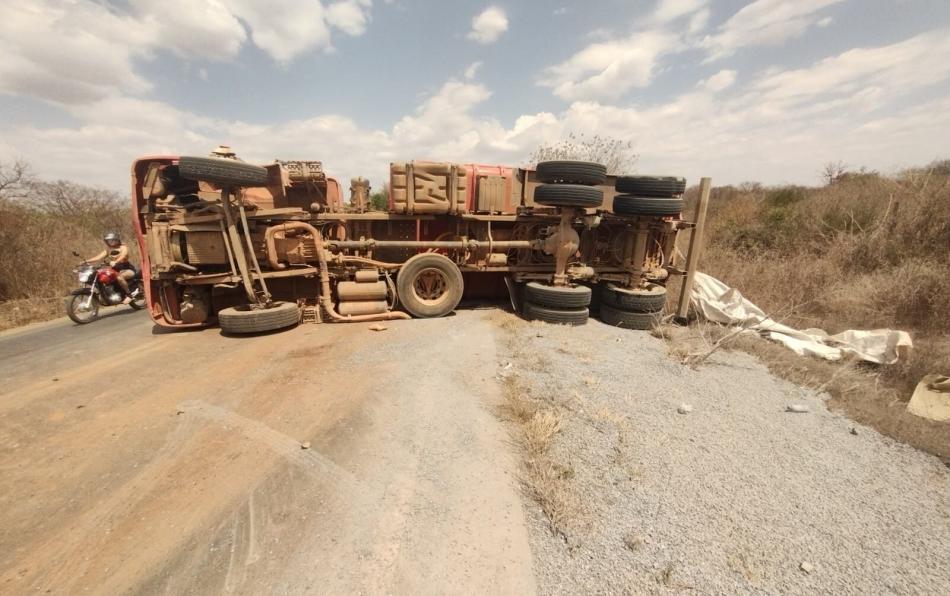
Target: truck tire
572, 172
662, 187
429, 285
557, 296
559, 316
239, 320
223, 172
631, 205
628, 320
651, 298
568, 195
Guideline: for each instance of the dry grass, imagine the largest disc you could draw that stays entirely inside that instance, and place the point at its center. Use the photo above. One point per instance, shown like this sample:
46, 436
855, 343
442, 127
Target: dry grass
864, 252
536, 424
40, 225
16, 313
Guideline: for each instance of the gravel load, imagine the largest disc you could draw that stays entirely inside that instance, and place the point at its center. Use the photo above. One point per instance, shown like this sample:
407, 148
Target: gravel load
708, 481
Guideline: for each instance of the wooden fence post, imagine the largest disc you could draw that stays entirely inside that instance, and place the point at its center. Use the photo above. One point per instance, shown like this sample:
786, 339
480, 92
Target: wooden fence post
695, 248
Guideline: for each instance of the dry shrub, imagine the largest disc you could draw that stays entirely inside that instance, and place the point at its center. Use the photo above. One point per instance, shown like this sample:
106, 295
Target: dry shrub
16, 313
616, 154
540, 429
40, 225
866, 251
545, 481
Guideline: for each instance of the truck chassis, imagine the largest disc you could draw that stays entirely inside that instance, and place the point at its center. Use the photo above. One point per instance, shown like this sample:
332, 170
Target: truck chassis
254, 248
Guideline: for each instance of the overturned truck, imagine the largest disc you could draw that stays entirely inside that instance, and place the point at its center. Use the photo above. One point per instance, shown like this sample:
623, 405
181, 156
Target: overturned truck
254, 248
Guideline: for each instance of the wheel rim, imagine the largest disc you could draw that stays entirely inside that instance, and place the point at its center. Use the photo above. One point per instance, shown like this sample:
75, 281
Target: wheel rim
431, 286
139, 303
81, 311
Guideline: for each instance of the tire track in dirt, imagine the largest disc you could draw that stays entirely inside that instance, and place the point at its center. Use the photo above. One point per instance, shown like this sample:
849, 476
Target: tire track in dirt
191, 477
151, 492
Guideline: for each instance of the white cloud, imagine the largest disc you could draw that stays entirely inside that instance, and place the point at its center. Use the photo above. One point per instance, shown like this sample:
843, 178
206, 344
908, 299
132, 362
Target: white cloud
349, 16
488, 25
720, 81
472, 70
764, 22
85, 50
669, 10
607, 70
70, 52
698, 21
892, 70
284, 28
846, 107
190, 28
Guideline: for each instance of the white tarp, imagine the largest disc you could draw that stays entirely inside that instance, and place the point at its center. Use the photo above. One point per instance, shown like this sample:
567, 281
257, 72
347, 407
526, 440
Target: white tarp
717, 302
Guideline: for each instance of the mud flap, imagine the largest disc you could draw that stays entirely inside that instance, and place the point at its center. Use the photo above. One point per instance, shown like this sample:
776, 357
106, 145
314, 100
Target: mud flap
513, 293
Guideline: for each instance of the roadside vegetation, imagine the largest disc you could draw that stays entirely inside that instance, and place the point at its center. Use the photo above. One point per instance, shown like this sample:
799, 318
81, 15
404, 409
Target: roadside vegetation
41, 223
862, 251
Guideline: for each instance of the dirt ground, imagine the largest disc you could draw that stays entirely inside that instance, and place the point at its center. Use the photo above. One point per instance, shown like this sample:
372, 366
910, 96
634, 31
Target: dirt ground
135, 461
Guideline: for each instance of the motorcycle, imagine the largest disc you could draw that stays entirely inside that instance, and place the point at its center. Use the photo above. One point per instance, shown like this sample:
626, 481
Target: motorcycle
100, 287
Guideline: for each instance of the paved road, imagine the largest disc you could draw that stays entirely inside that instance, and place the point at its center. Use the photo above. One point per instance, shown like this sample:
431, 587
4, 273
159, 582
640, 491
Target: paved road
133, 460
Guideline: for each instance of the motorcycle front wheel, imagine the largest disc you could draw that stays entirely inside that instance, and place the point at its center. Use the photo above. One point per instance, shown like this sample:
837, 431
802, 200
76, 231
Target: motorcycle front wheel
77, 310
138, 303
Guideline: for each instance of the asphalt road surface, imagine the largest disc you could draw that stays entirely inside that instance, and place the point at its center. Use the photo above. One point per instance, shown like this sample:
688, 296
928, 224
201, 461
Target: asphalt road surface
137, 461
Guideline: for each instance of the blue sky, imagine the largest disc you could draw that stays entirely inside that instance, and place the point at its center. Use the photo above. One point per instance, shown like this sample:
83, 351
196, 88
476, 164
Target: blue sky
739, 90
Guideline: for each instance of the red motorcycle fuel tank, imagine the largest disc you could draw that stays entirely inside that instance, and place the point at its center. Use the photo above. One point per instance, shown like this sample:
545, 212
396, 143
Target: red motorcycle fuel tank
107, 275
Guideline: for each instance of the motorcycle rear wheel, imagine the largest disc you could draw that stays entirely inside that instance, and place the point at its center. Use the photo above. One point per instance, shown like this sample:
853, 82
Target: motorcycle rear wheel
76, 311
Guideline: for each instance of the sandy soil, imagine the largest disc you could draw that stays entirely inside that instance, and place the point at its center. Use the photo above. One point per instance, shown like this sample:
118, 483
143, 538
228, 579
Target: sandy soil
135, 461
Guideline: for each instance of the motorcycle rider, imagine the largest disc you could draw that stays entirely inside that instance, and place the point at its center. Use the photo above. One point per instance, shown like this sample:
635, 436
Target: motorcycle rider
118, 258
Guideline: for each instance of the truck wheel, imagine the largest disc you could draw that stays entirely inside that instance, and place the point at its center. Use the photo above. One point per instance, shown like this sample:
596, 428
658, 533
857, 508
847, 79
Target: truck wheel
631, 205
560, 316
628, 320
429, 285
568, 195
572, 172
239, 320
223, 172
650, 298
557, 296
651, 186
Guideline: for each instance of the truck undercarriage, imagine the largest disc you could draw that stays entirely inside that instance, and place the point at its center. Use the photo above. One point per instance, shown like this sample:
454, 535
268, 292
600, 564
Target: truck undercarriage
254, 248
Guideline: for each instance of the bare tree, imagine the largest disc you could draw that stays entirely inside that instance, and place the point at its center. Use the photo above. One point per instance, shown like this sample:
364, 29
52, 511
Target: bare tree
15, 180
616, 154
832, 171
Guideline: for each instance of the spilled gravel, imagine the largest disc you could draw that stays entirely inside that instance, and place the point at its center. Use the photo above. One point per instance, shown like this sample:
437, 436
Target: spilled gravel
737, 495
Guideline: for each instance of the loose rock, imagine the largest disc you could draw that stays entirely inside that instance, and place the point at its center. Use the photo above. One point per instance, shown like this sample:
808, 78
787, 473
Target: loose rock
684, 409
798, 408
